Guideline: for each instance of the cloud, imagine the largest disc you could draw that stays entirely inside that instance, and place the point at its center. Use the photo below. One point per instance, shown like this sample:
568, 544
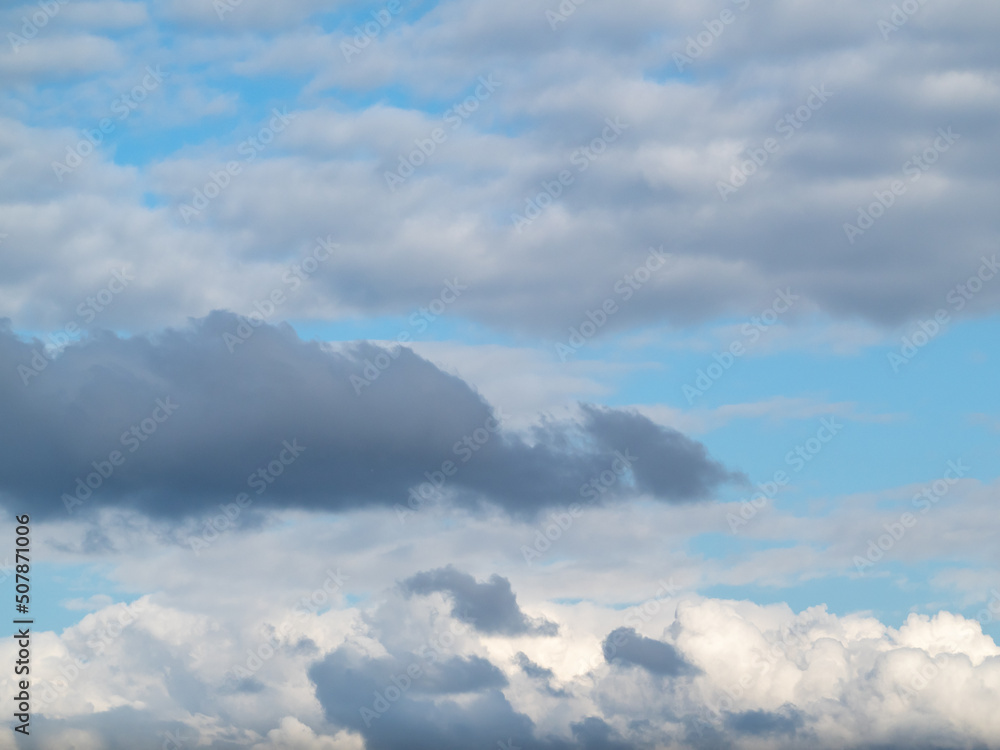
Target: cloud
109, 14
656, 657
97, 601
294, 735
656, 186
537, 672
595, 734
55, 57
690, 667
438, 695
174, 424
239, 15
120, 728
759, 675
774, 409
489, 607
764, 722
387, 701
451, 675
404, 465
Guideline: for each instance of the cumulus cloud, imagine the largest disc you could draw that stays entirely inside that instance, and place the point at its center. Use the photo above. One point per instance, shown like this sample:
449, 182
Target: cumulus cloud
759, 676
294, 735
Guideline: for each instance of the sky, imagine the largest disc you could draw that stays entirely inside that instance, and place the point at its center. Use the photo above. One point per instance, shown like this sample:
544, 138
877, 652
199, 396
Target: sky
467, 375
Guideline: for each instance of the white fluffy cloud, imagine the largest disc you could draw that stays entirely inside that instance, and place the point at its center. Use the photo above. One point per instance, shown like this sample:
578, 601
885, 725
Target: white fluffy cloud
760, 676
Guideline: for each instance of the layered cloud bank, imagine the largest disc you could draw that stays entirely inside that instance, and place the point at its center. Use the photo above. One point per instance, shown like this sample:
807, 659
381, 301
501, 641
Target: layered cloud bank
743, 149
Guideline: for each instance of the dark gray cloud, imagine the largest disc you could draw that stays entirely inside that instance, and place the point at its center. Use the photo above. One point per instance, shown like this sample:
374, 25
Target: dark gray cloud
788, 721
625, 645
663, 456
388, 705
235, 414
489, 607
703, 735
393, 712
595, 734
430, 674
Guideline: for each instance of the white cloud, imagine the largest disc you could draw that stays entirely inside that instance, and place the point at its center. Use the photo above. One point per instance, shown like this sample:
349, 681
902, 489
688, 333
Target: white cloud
844, 681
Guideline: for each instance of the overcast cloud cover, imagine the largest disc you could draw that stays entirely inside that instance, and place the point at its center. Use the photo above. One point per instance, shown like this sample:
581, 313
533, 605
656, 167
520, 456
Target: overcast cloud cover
471, 375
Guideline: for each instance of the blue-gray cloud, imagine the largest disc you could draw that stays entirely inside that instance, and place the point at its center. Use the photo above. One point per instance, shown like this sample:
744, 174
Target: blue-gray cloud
490, 607
174, 424
626, 646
